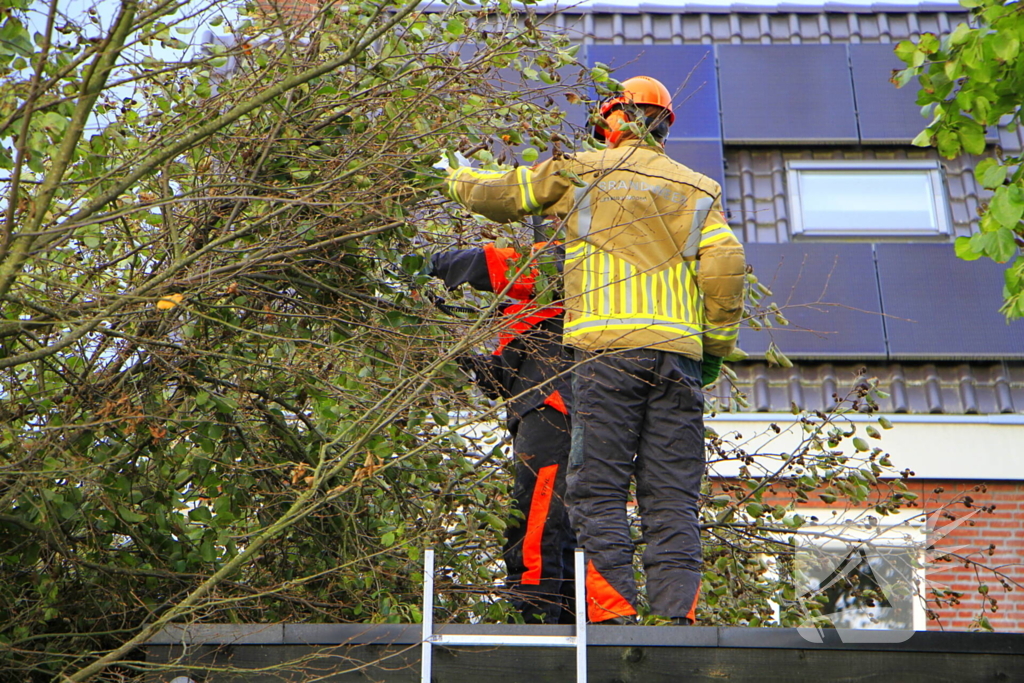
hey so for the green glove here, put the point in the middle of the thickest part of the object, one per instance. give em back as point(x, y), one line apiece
point(710, 367)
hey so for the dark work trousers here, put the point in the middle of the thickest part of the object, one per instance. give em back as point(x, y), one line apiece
point(538, 552)
point(637, 413)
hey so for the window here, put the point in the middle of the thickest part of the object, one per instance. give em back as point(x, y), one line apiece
point(869, 199)
point(869, 568)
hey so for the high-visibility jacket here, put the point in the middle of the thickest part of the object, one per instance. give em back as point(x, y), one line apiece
point(630, 214)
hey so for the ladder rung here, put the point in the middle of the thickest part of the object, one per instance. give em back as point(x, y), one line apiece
point(510, 640)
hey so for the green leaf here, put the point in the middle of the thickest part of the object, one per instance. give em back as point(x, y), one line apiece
point(923, 139)
point(200, 513)
point(901, 78)
point(1006, 207)
point(948, 143)
point(530, 154)
point(960, 34)
point(54, 121)
point(1003, 246)
point(953, 69)
point(1005, 44)
point(928, 43)
point(972, 136)
point(982, 110)
point(455, 27)
point(129, 516)
point(990, 173)
point(979, 242)
point(1013, 279)
point(905, 51)
point(388, 539)
point(964, 250)
point(860, 444)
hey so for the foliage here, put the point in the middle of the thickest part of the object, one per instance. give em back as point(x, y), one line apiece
point(222, 397)
point(226, 393)
point(972, 79)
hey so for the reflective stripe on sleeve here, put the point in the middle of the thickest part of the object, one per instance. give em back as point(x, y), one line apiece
point(714, 233)
point(528, 200)
point(724, 333)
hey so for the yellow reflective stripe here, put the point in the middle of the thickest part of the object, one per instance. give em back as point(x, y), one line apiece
point(529, 201)
point(573, 248)
point(633, 300)
point(641, 317)
point(717, 237)
point(584, 325)
point(675, 283)
point(714, 227)
point(622, 288)
point(453, 175)
point(724, 333)
point(606, 283)
point(691, 292)
point(588, 280)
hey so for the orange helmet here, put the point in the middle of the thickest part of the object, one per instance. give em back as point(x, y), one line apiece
point(642, 90)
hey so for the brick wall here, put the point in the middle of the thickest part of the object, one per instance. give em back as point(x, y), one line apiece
point(1002, 528)
point(293, 10)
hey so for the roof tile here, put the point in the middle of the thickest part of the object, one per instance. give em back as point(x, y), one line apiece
point(920, 388)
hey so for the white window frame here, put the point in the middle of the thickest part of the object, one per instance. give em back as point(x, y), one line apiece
point(940, 203)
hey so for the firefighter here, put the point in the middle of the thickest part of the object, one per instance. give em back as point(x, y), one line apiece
point(529, 369)
point(653, 298)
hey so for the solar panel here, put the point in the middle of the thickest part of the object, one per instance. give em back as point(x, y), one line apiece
point(829, 294)
point(786, 94)
point(940, 307)
point(703, 156)
point(688, 71)
point(885, 113)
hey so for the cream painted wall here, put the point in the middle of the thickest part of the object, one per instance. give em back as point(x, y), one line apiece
point(987, 447)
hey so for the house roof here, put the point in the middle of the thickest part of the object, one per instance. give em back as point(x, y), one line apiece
point(749, 6)
point(918, 388)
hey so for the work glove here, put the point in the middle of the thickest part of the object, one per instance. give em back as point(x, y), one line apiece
point(444, 164)
point(710, 367)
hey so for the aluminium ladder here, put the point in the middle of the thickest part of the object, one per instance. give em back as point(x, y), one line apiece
point(579, 641)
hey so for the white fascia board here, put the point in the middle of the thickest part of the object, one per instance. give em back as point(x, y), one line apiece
point(943, 447)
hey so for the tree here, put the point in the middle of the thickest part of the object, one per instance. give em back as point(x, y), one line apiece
point(972, 79)
point(222, 397)
point(226, 392)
